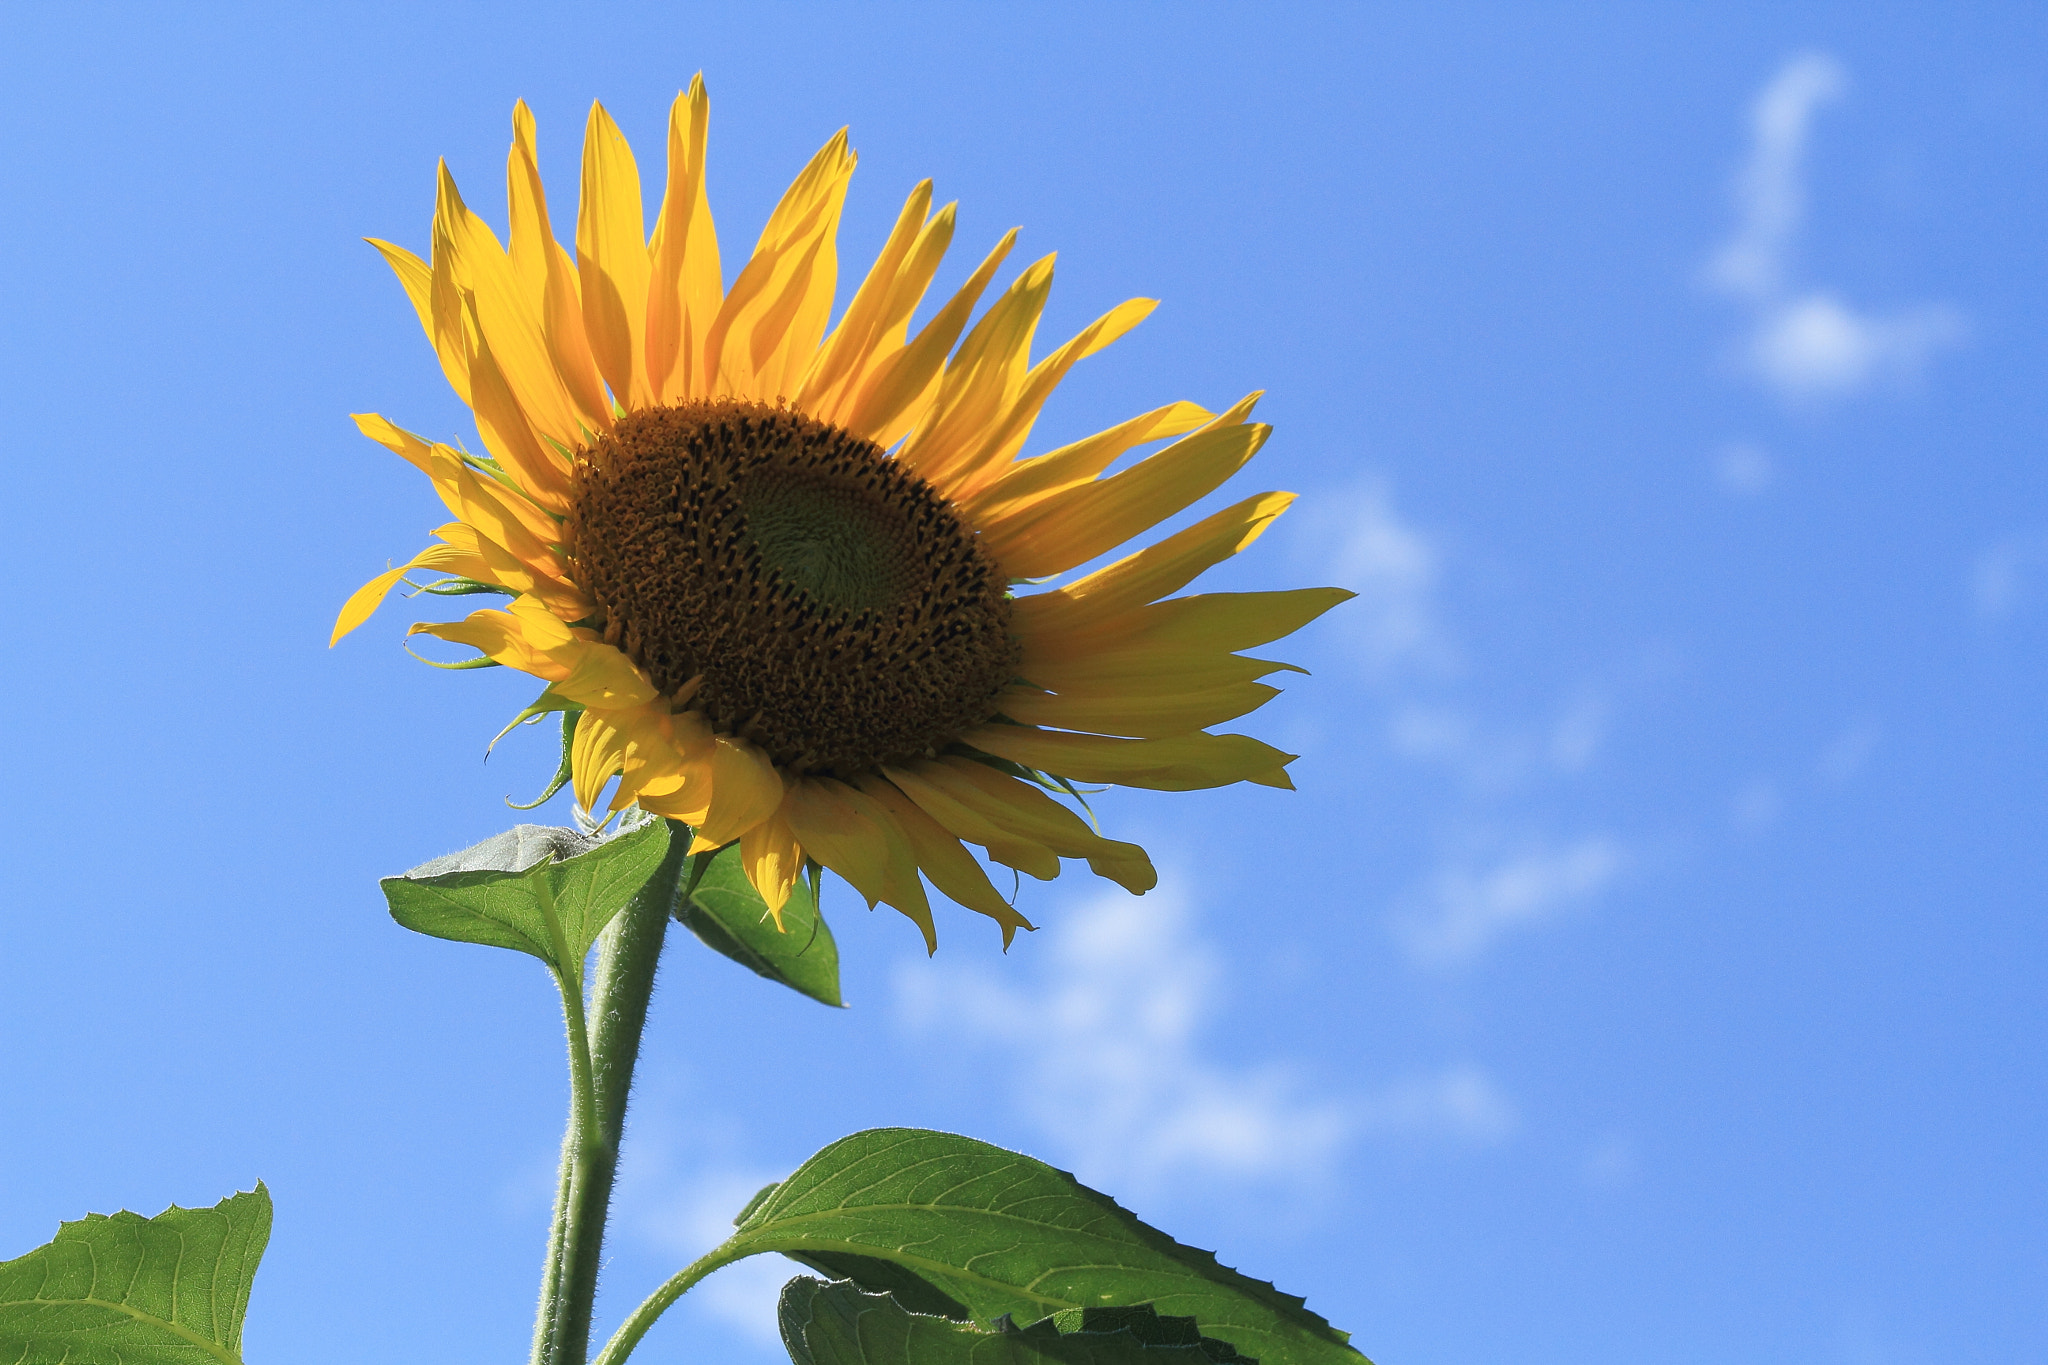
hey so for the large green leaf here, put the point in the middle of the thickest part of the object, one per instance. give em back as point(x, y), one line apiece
point(535, 888)
point(841, 1324)
point(731, 918)
point(129, 1290)
point(1001, 1233)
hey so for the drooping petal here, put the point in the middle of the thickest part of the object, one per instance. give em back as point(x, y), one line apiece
point(950, 867)
point(365, 600)
point(745, 790)
point(963, 821)
point(772, 860)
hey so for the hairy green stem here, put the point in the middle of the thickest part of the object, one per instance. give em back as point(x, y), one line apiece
point(623, 982)
point(635, 1327)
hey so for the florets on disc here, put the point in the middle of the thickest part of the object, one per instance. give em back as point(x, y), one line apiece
point(825, 602)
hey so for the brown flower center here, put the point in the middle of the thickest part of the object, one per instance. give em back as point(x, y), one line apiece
point(838, 612)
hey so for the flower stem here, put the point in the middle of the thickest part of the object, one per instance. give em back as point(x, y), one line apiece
point(627, 955)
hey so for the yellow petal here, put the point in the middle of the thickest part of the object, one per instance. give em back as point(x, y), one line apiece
point(1220, 621)
point(745, 790)
point(686, 286)
point(772, 859)
point(1075, 526)
point(769, 326)
point(1026, 810)
point(1178, 764)
point(604, 677)
point(611, 259)
point(839, 835)
point(597, 754)
point(965, 822)
point(366, 599)
point(541, 474)
point(869, 318)
point(504, 313)
point(1021, 485)
point(1140, 717)
point(1145, 670)
point(416, 451)
point(950, 867)
point(547, 277)
point(902, 388)
point(414, 276)
point(1152, 573)
point(981, 379)
point(984, 457)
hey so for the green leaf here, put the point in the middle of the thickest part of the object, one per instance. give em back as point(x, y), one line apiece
point(536, 889)
point(129, 1290)
point(841, 1324)
point(1001, 1233)
point(731, 918)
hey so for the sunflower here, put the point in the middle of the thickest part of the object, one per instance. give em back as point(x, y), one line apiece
point(766, 569)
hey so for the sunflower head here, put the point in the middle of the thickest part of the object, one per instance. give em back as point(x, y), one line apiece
point(768, 570)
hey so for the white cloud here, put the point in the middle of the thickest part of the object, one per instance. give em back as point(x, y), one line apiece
point(1363, 543)
point(1109, 1055)
point(2004, 575)
point(1744, 468)
point(1470, 904)
point(679, 1190)
point(1849, 752)
point(1770, 194)
point(1807, 342)
point(1108, 1040)
point(1460, 1102)
point(1757, 805)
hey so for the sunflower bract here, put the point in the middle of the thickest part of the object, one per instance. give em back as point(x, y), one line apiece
point(772, 561)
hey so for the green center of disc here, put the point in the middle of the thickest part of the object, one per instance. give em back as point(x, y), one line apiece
point(833, 542)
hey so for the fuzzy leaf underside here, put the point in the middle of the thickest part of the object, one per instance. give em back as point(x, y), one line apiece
point(497, 892)
point(997, 1233)
point(842, 1324)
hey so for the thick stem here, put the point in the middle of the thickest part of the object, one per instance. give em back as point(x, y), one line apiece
point(623, 983)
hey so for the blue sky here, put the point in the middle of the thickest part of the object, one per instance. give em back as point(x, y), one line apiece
point(1649, 967)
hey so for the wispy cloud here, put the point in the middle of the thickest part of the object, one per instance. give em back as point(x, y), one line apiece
point(1471, 903)
point(1362, 542)
point(1805, 341)
point(679, 1188)
point(2006, 574)
point(1110, 1044)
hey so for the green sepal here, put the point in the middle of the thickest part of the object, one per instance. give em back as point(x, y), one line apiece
point(536, 889)
point(842, 1324)
point(565, 767)
point(129, 1290)
point(1000, 1233)
point(454, 586)
point(722, 908)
